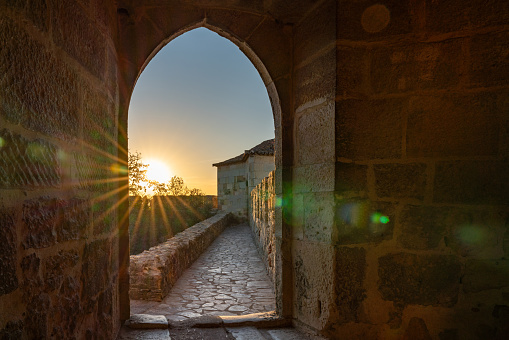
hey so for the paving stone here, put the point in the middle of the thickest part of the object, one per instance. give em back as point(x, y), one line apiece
point(145, 321)
point(246, 333)
point(228, 279)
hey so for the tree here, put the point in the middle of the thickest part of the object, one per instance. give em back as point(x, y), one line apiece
point(137, 172)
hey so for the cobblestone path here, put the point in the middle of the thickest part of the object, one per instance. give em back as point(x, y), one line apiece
point(228, 279)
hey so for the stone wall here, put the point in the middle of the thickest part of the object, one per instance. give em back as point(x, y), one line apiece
point(262, 221)
point(421, 111)
point(59, 239)
point(154, 272)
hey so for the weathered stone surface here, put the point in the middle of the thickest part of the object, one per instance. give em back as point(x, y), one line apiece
point(12, 330)
point(349, 282)
point(313, 178)
point(66, 311)
point(27, 163)
point(92, 172)
point(369, 129)
point(476, 233)
point(419, 279)
point(400, 180)
point(471, 182)
point(416, 67)
point(485, 274)
point(36, 317)
point(315, 135)
point(79, 37)
point(41, 217)
point(453, 126)
point(32, 281)
point(37, 11)
point(8, 254)
point(31, 78)
point(95, 272)
point(351, 179)
point(466, 14)
point(489, 59)
point(423, 227)
point(360, 221)
point(352, 70)
point(352, 26)
point(316, 80)
point(241, 23)
point(315, 33)
point(56, 266)
point(416, 330)
point(75, 218)
point(319, 216)
point(146, 321)
point(276, 55)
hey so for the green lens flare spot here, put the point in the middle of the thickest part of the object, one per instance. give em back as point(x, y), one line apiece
point(379, 218)
point(2, 142)
point(279, 202)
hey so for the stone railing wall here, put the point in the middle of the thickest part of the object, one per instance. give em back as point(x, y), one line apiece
point(154, 272)
point(262, 221)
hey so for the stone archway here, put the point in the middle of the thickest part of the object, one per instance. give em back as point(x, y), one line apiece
point(272, 59)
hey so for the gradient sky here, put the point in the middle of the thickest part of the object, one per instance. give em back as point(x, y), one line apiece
point(199, 101)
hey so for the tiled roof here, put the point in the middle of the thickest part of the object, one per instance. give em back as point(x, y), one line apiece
point(264, 148)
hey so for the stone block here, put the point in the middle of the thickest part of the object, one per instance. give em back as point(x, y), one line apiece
point(95, 272)
point(99, 122)
point(369, 20)
point(315, 81)
point(476, 233)
point(319, 216)
point(350, 273)
point(369, 129)
point(448, 16)
point(453, 126)
point(37, 11)
point(416, 67)
point(489, 64)
point(352, 71)
point(483, 275)
point(75, 219)
point(423, 227)
point(56, 266)
point(315, 135)
point(241, 24)
point(12, 330)
point(416, 330)
point(351, 178)
point(8, 252)
point(79, 37)
point(362, 221)
point(27, 163)
point(313, 178)
point(471, 182)
point(419, 279)
point(313, 282)
point(400, 180)
point(316, 32)
point(275, 54)
point(31, 78)
point(41, 217)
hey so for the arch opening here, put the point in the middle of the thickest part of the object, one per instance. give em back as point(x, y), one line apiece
point(262, 71)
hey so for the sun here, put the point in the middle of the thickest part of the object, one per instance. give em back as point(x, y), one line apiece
point(158, 171)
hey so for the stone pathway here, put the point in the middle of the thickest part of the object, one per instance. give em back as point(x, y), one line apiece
point(228, 279)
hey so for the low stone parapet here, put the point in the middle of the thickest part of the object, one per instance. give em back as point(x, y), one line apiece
point(154, 272)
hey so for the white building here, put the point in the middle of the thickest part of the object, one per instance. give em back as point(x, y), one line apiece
point(237, 176)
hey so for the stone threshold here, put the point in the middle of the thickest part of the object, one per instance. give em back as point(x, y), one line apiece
point(258, 320)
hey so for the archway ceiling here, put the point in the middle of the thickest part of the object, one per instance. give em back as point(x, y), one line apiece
point(285, 11)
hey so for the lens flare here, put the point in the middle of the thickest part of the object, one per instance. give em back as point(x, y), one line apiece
point(279, 202)
point(471, 235)
point(2, 142)
point(379, 218)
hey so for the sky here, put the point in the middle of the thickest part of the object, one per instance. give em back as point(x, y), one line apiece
point(199, 101)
